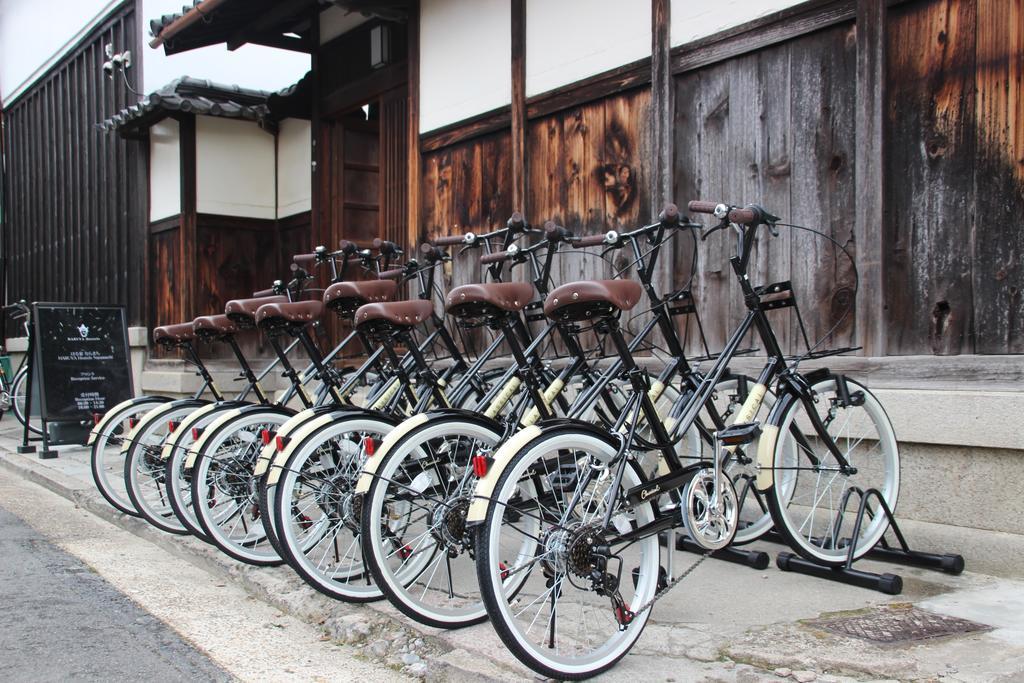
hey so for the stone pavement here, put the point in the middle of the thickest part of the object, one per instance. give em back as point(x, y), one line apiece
point(725, 622)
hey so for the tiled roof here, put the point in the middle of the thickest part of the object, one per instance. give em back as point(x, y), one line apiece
point(196, 96)
point(159, 24)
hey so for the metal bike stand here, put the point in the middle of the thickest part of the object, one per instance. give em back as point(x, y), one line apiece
point(891, 584)
point(755, 559)
point(25, 447)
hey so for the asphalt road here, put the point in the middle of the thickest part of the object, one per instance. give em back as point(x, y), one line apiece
point(61, 621)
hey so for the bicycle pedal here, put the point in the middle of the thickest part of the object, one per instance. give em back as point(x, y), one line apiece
point(739, 434)
point(662, 578)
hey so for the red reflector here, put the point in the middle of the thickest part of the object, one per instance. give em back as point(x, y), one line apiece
point(480, 465)
point(280, 442)
point(504, 570)
point(196, 433)
point(266, 436)
point(96, 417)
point(369, 447)
point(172, 425)
point(132, 421)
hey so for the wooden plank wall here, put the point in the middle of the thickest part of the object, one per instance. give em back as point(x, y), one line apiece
point(75, 223)
point(956, 170)
point(773, 127)
point(773, 120)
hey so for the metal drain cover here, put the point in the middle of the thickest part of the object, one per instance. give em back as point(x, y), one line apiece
point(898, 624)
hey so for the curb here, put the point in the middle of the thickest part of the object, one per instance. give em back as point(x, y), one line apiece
point(379, 632)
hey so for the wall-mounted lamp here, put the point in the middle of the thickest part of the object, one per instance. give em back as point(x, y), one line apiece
point(380, 46)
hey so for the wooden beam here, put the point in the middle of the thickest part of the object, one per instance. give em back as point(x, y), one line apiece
point(869, 180)
point(415, 172)
point(267, 24)
point(281, 42)
point(519, 106)
point(662, 110)
point(466, 129)
point(187, 234)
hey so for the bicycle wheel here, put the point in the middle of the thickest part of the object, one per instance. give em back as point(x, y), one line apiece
point(316, 513)
point(570, 618)
point(18, 395)
point(814, 501)
point(144, 471)
point(415, 538)
point(176, 451)
point(106, 459)
point(224, 487)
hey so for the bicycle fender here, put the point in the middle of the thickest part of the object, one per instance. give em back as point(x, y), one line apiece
point(280, 458)
point(502, 457)
point(200, 445)
point(100, 426)
point(157, 413)
point(389, 441)
point(266, 455)
point(766, 444)
point(169, 445)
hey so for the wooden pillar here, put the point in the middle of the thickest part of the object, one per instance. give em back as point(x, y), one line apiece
point(519, 106)
point(660, 187)
point(318, 231)
point(869, 177)
point(187, 232)
point(414, 231)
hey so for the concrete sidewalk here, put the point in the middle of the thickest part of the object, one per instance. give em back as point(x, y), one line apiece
point(724, 622)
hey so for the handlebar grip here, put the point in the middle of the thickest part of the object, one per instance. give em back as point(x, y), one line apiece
point(516, 222)
point(589, 241)
point(299, 272)
point(431, 252)
point(264, 293)
point(556, 233)
point(744, 216)
point(386, 247)
point(348, 247)
point(304, 260)
point(393, 274)
point(448, 240)
point(669, 216)
point(494, 257)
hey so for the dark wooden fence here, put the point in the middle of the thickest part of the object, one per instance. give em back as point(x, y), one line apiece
point(769, 114)
point(75, 197)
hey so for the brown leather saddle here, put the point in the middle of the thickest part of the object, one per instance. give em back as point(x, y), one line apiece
point(588, 299)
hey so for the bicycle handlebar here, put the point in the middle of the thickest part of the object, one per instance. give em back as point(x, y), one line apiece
point(393, 274)
point(453, 240)
point(747, 216)
point(386, 248)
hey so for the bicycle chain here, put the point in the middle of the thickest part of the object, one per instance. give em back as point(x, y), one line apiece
point(675, 582)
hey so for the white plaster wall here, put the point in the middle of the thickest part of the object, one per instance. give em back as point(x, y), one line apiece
point(34, 35)
point(465, 59)
point(294, 167)
point(569, 40)
point(693, 19)
point(164, 170)
point(250, 66)
point(234, 168)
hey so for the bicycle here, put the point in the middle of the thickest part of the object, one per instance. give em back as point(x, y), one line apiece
point(565, 507)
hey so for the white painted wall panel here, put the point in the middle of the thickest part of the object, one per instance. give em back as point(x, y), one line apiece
point(465, 59)
point(569, 40)
point(294, 168)
point(693, 19)
point(234, 168)
point(164, 170)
